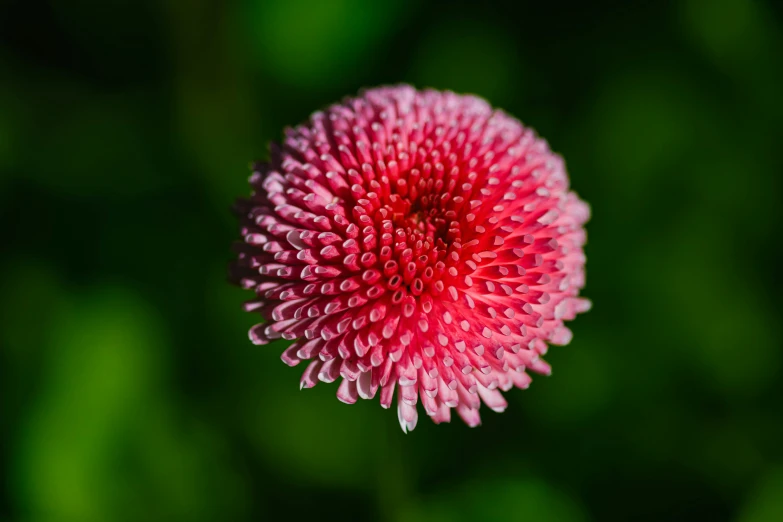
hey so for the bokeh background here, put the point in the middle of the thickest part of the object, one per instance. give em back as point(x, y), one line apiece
point(129, 390)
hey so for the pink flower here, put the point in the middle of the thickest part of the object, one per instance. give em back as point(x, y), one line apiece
point(418, 241)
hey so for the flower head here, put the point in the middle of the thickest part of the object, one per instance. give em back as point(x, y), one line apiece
point(413, 242)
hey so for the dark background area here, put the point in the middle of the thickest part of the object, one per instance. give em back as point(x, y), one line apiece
point(129, 390)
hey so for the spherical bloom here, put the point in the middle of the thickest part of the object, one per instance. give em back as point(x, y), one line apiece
point(416, 242)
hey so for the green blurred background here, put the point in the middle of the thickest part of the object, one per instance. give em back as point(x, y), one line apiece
point(129, 390)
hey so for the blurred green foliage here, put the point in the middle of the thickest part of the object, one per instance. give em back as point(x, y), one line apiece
point(129, 390)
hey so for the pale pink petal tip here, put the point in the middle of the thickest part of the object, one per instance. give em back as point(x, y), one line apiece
point(417, 244)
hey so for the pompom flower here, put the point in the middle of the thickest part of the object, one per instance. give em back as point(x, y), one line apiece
point(413, 242)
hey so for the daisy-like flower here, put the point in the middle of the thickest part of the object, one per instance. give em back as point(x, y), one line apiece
point(413, 242)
